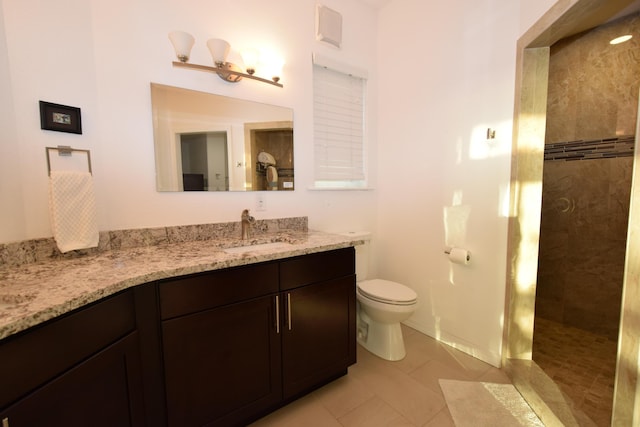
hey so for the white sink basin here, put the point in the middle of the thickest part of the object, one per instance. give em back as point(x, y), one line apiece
point(258, 248)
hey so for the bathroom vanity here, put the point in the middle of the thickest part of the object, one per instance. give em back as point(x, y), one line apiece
point(221, 346)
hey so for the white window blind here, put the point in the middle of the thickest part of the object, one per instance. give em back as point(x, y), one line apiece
point(338, 128)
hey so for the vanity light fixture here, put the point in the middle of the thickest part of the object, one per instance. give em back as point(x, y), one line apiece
point(183, 42)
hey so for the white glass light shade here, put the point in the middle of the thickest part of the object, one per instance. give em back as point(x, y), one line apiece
point(219, 50)
point(182, 43)
point(276, 65)
point(250, 59)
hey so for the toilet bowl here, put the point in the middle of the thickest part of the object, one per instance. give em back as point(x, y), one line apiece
point(382, 305)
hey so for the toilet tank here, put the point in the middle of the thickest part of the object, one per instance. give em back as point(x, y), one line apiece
point(363, 253)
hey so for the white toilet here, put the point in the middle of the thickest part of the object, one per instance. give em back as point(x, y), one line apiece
point(382, 305)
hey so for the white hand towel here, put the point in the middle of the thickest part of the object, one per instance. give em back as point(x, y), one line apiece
point(73, 210)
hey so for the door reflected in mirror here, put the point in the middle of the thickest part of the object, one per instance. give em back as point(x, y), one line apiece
point(206, 142)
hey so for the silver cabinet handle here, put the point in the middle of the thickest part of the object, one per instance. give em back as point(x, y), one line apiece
point(277, 314)
point(289, 309)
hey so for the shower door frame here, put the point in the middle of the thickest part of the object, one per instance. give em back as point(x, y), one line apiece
point(532, 68)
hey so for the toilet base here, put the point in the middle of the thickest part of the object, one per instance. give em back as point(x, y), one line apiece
point(382, 339)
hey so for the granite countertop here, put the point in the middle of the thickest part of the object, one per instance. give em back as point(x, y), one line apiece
point(34, 293)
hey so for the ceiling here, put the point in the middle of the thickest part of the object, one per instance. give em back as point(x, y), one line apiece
point(601, 12)
point(376, 3)
point(631, 8)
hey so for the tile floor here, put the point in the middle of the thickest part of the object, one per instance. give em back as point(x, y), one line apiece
point(581, 363)
point(377, 392)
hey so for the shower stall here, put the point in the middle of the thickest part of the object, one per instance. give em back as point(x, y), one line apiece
point(589, 147)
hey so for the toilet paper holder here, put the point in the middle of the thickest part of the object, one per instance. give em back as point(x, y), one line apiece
point(448, 252)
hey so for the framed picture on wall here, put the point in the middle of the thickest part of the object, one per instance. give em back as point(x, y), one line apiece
point(61, 118)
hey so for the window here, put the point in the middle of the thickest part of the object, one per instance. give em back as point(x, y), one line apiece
point(338, 113)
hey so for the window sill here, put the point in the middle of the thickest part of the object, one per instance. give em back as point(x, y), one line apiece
point(340, 188)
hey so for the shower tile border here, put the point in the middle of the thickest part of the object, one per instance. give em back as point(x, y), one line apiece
point(606, 148)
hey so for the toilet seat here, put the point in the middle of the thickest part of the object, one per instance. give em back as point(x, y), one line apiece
point(387, 292)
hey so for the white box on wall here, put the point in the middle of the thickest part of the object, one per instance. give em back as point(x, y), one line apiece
point(328, 25)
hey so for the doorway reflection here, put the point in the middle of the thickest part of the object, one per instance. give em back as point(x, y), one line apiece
point(203, 158)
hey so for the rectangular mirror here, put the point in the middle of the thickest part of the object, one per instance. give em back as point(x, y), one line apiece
point(206, 142)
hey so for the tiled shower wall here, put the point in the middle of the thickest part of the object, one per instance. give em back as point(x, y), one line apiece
point(591, 118)
point(593, 85)
point(585, 210)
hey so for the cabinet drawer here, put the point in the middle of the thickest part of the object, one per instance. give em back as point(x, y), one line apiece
point(212, 289)
point(318, 267)
point(43, 352)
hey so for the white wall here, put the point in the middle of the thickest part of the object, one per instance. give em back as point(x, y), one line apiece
point(531, 11)
point(441, 182)
point(101, 56)
point(11, 201)
point(440, 74)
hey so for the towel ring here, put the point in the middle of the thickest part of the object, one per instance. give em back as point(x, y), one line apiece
point(65, 150)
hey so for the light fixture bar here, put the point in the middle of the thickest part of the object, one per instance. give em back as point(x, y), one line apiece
point(224, 71)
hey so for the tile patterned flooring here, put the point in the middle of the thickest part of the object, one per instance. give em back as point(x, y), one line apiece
point(377, 392)
point(581, 363)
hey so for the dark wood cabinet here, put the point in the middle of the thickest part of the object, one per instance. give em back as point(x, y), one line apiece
point(101, 391)
point(318, 342)
point(83, 369)
point(222, 364)
point(220, 348)
point(238, 343)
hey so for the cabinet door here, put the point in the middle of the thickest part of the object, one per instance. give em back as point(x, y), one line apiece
point(105, 390)
point(32, 358)
point(318, 342)
point(222, 365)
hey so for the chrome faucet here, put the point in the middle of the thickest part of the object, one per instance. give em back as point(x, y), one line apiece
point(247, 221)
